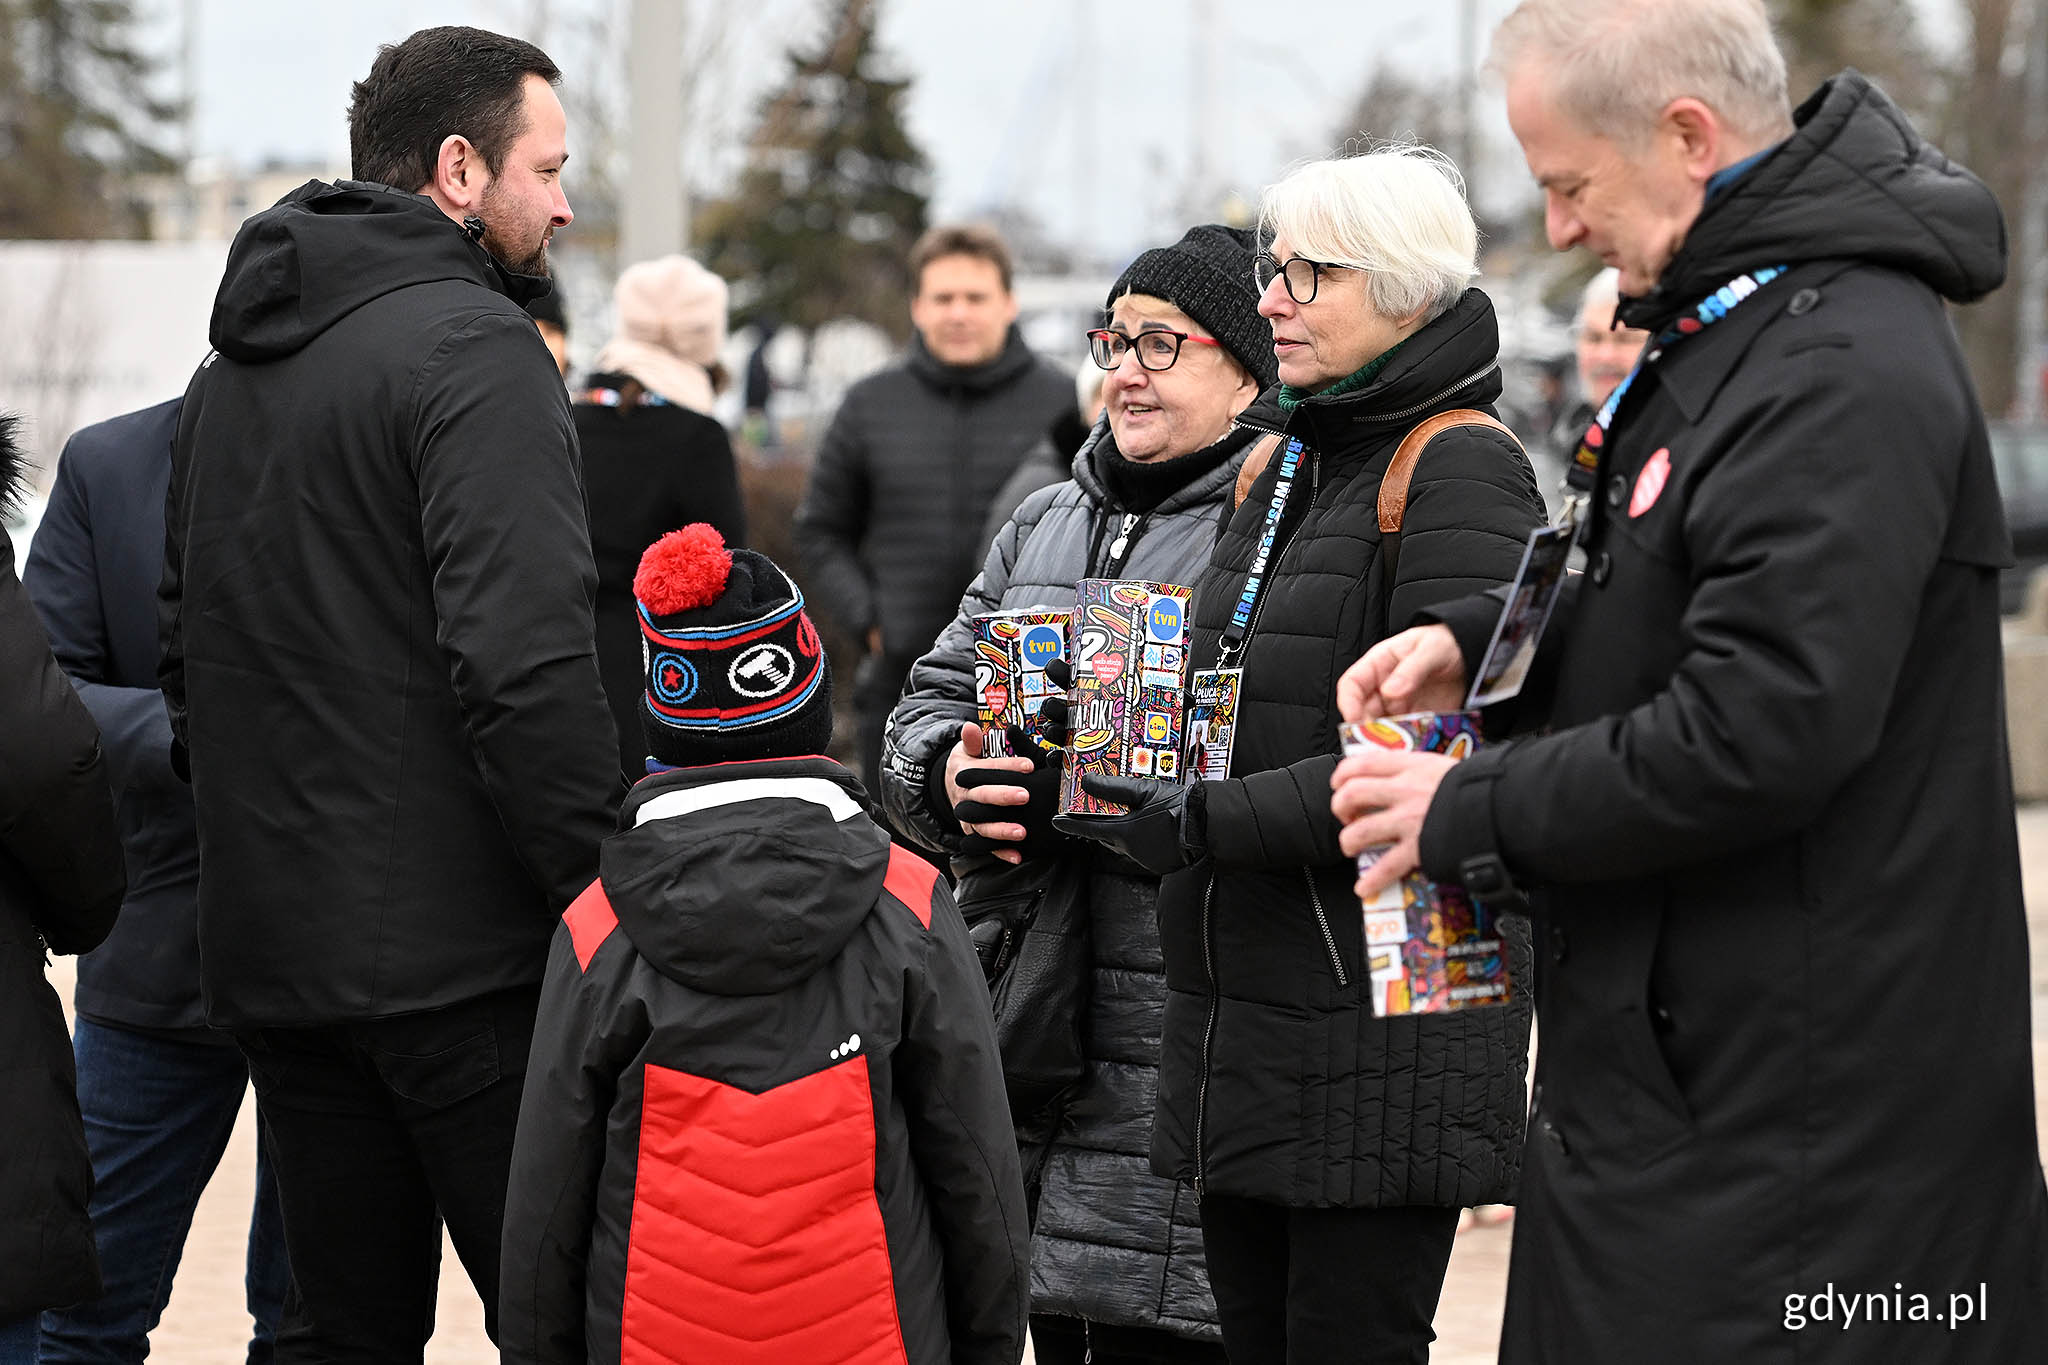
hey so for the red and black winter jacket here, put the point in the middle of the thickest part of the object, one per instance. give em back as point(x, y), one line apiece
point(764, 1117)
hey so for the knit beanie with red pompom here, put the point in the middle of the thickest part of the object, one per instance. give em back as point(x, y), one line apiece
point(733, 666)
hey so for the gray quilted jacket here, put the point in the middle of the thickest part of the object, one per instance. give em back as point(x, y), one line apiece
point(1112, 1243)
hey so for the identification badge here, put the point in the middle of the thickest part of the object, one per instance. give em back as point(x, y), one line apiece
point(1212, 722)
point(1505, 666)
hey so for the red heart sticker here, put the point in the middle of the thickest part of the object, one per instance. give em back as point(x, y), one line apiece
point(997, 698)
point(1650, 483)
point(1108, 667)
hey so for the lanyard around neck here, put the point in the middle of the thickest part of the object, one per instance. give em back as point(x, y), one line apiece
point(1585, 465)
point(1255, 581)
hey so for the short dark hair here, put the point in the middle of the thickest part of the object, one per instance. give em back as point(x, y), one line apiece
point(438, 83)
point(959, 239)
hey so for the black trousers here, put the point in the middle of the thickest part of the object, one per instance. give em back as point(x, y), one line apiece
point(1326, 1286)
point(1060, 1340)
point(381, 1131)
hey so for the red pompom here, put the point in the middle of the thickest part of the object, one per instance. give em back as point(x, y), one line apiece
point(682, 570)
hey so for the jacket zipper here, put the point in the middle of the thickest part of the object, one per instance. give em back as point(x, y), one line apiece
point(1426, 404)
point(1329, 939)
point(1208, 1038)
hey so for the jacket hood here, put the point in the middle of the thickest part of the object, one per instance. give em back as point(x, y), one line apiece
point(1452, 362)
point(1853, 182)
point(323, 251)
point(744, 878)
point(1012, 363)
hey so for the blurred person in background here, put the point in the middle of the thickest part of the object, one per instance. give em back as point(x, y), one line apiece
point(1116, 1265)
point(551, 318)
point(378, 659)
point(1604, 351)
point(158, 1089)
point(653, 456)
point(1757, 782)
point(1051, 460)
point(889, 532)
point(1331, 1149)
point(61, 884)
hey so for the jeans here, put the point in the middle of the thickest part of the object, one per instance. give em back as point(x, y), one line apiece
point(18, 1341)
point(382, 1130)
point(158, 1113)
point(1326, 1286)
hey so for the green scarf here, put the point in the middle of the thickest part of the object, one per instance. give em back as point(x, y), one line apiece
point(1290, 397)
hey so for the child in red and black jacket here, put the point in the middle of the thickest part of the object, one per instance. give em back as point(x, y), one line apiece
point(764, 1118)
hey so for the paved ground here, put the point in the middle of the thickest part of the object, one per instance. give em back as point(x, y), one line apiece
point(206, 1325)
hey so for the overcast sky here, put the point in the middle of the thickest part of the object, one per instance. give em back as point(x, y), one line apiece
point(1092, 115)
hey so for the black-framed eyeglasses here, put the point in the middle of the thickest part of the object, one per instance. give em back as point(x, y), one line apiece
point(1303, 276)
point(1156, 347)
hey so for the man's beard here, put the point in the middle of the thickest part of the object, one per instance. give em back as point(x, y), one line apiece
point(535, 263)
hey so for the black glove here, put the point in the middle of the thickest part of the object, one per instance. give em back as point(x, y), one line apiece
point(1042, 782)
point(1164, 831)
point(1054, 722)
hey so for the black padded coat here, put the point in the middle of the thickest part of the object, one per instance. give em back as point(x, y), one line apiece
point(1276, 1080)
point(1112, 1242)
point(61, 882)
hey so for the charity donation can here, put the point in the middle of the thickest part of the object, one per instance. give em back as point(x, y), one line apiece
point(1011, 650)
point(1129, 656)
point(1429, 947)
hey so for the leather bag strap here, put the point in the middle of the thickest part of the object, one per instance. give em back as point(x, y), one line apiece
point(1394, 485)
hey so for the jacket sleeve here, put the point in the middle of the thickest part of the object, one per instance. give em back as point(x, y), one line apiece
point(951, 1077)
point(63, 581)
point(581, 1043)
point(831, 520)
point(1470, 510)
point(508, 548)
point(938, 698)
point(170, 594)
point(1811, 541)
point(56, 810)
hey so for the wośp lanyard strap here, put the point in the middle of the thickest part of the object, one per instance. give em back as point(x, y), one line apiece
point(1585, 465)
point(1255, 581)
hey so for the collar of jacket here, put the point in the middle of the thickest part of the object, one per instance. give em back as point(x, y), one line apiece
point(1854, 182)
point(665, 779)
point(1452, 362)
point(1010, 364)
point(1204, 474)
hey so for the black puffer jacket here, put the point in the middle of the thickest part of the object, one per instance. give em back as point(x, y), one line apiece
point(889, 533)
point(377, 619)
point(1113, 1243)
point(61, 882)
point(1276, 1080)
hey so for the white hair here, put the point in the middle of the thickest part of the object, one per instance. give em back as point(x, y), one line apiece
point(1397, 213)
point(1604, 287)
point(1614, 65)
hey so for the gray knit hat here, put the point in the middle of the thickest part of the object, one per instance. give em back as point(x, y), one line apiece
point(1208, 275)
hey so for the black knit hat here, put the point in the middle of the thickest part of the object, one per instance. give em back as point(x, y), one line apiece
point(1208, 275)
point(732, 665)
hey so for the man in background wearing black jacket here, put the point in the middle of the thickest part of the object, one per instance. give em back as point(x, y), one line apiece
point(889, 532)
point(378, 652)
point(159, 1091)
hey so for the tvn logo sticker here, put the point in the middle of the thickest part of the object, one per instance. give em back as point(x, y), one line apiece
point(1163, 620)
point(1042, 644)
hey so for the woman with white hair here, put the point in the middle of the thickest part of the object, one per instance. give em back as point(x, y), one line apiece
point(1331, 1149)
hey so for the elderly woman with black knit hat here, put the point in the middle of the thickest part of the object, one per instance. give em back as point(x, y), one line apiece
point(653, 457)
point(1332, 1148)
point(1116, 1254)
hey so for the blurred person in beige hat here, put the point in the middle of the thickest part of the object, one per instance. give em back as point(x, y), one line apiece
point(670, 331)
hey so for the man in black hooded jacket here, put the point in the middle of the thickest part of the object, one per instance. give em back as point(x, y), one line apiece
point(1760, 794)
point(378, 655)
